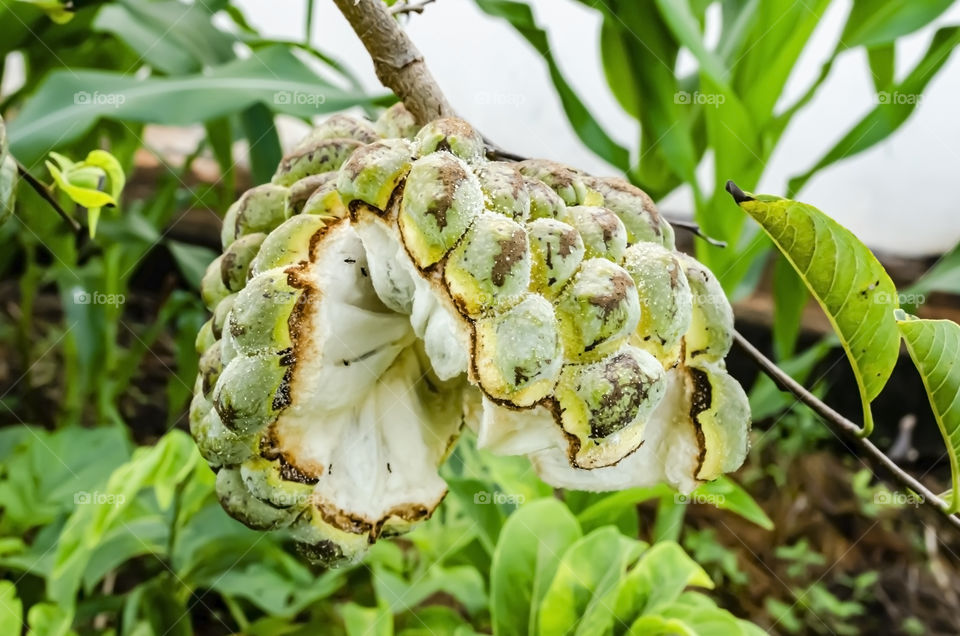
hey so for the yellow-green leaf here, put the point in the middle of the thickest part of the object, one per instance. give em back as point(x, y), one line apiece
point(850, 284)
point(934, 346)
point(109, 164)
point(84, 196)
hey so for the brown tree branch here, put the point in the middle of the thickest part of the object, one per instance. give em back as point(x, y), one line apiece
point(400, 67)
point(397, 62)
point(47, 196)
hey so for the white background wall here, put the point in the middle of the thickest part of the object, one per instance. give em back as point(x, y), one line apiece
point(900, 196)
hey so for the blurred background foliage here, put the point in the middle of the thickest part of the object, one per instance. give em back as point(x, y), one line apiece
point(108, 521)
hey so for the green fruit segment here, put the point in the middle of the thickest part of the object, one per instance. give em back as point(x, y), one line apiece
point(518, 353)
point(490, 268)
point(556, 251)
point(441, 198)
point(598, 310)
point(373, 172)
point(564, 180)
point(636, 209)
point(397, 121)
point(452, 135)
point(504, 190)
point(711, 326)
point(260, 209)
point(604, 235)
point(235, 262)
point(544, 202)
point(721, 411)
point(322, 155)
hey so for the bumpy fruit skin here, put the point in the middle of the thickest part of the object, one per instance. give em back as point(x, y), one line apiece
point(391, 284)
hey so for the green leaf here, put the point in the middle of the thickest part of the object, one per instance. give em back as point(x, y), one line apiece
point(57, 11)
point(584, 589)
point(192, 260)
point(657, 579)
point(883, 64)
point(848, 281)
point(63, 108)
point(893, 109)
point(528, 553)
point(263, 141)
point(944, 276)
point(366, 621)
point(934, 346)
point(729, 495)
point(588, 130)
point(83, 196)
point(11, 609)
point(8, 176)
point(789, 299)
point(174, 37)
point(49, 619)
point(875, 22)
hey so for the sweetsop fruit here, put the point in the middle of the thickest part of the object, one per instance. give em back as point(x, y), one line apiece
point(392, 285)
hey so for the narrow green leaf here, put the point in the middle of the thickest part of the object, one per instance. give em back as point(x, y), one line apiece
point(850, 284)
point(944, 276)
point(934, 346)
point(729, 495)
point(64, 107)
point(366, 621)
point(873, 22)
point(894, 107)
point(585, 125)
point(263, 142)
point(883, 63)
point(11, 609)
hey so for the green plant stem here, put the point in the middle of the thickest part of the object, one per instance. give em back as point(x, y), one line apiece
point(845, 428)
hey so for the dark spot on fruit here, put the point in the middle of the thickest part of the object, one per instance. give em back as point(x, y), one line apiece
point(512, 251)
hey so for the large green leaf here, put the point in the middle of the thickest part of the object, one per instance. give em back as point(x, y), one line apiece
point(874, 22)
point(850, 284)
point(934, 346)
point(64, 107)
point(658, 578)
point(893, 108)
point(584, 124)
point(531, 544)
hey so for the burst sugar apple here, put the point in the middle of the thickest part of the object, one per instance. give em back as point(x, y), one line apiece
point(379, 284)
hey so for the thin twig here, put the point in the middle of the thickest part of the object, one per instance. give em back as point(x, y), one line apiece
point(694, 229)
point(842, 426)
point(47, 196)
point(402, 8)
point(401, 68)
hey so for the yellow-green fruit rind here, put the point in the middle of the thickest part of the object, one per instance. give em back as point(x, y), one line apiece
point(235, 262)
point(288, 244)
point(265, 479)
point(325, 200)
point(205, 338)
point(605, 404)
point(564, 180)
point(556, 251)
point(258, 322)
point(260, 209)
point(721, 411)
point(397, 121)
point(373, 172)
point(244, 507)
point(216, 443)
point(665, 301)
point(441, 198)
point(604, 235)
point(504, 190)
point(454, 136)
point(302, 189)
point(321, 543)
point(210, 366)
point(518, 352)
point(598, 310)
point(221, 313)
point(490, 268)
point(212, 289)
point(544, 202)
point(340, 127)
point(318, 157)
point(250, 392)
point(635, 208)
point(710, 335)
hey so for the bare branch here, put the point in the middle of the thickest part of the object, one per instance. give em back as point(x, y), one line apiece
point(845, 428)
